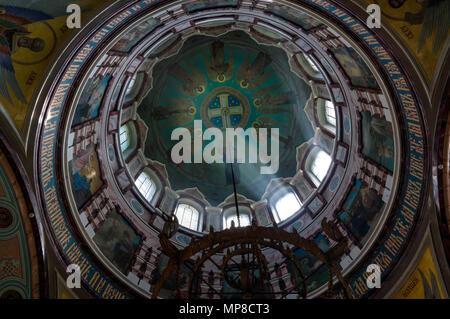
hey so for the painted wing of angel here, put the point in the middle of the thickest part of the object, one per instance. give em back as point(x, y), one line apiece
point(252, 75)
point(272, 104)
point(193, 85)
point(13, 35)
point(436, 19)
point(261, 93)
point(180, 111)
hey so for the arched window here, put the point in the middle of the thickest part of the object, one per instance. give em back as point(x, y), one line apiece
point(286, 206)
point(146, 186)
point(188, 216)
point(330, 113)
point(131, 84)
point(244, 219)
point(124, 137)
point(313, 65)
point(320, 165)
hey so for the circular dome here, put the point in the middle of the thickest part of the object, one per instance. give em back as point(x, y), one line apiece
point(334, 93)
point(224, 82)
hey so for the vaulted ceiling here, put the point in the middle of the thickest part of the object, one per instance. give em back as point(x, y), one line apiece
point(358, 110)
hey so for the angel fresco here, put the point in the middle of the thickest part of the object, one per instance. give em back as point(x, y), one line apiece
point(180, 111)
point(252, 75)
point(302, 19)
point(377, 138)
point(90, 100)
point(267, 103)
point(218, 70)
point(209, 4)
point(132, 37)
point(192, 84)
point(14, 35)
point(361, 208)
point(355, 68)
point(169, 287)
point(117, 240)
point(430, 12)
point(85, 175)
point(316, 272)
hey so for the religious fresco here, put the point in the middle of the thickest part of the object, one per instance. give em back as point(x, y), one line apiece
point(30, 36)
point(316, 272)
point(228, 291)
point(225, 84)
point(233, 274)
point(135, 35)
point(415, 22)
point(209, 4)
point(377, 140)
point(423, 283)
point(91, 99)
point(169, 288)
point(355, 67)
point(117, 240)
point(361, 210)
point(85, 175)
point(299, 18)
point(322, 242)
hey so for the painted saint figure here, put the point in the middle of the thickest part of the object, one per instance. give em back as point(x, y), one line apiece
point(14, 35)
point(218, 70)
point(180, 111)
point(252, 75)
point(192, 84)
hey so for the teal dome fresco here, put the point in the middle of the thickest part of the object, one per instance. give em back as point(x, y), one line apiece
point(227, 82)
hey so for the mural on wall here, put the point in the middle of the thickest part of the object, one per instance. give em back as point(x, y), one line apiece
point(229, 81)
point(415, 22)
point(91, 99)
point(299, 18)
point(117, 240)
point(355, 68)
point(233, 275)
point(377, 140)
point(168, 290)
point(135, 35)
point(322, 242)
point(85, 175)
point(228, 291)
point(209, 4)
point(361, 210)
point(29, 37)
point(315, 271)
point(423, 283)
point(19, 267)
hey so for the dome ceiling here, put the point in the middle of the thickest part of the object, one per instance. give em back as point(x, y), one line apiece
point(336, 103)
point(226, 82)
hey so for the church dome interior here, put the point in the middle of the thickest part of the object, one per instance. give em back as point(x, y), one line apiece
point(231, 149)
